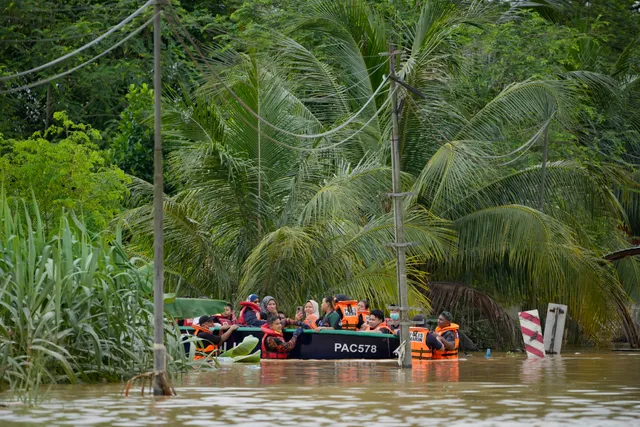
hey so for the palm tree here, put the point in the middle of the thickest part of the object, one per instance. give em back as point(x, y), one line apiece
point(260, 210)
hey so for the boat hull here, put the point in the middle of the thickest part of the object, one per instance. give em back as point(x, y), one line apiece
point(327, 344)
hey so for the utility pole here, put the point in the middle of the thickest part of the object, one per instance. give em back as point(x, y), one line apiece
point(398, 195)
point(159, 350)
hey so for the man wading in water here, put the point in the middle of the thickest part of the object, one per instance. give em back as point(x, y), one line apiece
point(444, 340)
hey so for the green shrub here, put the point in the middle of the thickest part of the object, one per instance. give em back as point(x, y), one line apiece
point(73, 307)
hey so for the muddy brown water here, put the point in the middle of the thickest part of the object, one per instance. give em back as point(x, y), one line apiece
point(585, 389)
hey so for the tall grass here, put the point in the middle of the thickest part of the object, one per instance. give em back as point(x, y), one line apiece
point(73, 307)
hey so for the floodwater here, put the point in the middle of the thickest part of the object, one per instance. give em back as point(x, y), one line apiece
point(588, 389)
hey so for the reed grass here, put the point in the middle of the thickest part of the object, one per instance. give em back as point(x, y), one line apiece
point(73, 306)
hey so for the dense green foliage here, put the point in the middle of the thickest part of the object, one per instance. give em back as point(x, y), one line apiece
point(64, 170)
point(75, 307)
point(253, 208)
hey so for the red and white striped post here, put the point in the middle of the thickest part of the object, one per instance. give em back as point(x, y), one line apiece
point(532, 333)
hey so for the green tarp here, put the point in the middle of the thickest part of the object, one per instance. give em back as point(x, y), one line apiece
point(182, 308)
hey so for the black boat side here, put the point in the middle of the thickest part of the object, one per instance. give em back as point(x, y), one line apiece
point(326, 344)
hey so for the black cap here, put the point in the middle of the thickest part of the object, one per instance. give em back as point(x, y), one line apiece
point(204, 319)
point(341, 297)
point(419, 320)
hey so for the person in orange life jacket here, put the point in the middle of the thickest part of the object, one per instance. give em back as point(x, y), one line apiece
point(394, 320)
point(227, 317)
point(336, 299)
point(377, 323)
point(250, 312)
point(363, 315)
point(445, 340)
point(331, 319)
point(308, 318)
point(274, 345)
point(203, 332)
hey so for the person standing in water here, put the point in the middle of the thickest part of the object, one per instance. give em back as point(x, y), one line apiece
point(444, 341)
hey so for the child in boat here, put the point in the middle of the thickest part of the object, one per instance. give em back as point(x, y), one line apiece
point(227, 317)
point(274, 345)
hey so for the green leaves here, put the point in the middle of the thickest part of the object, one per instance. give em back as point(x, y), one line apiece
point(72, 308)
point(64, 172)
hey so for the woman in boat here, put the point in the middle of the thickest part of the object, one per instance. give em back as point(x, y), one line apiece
point(210, 342)
point(310, 317)
point(274, 345)
point(377, 323)
point(331, 319)
point(250, 313)
point(363, 315)
point(268, 307)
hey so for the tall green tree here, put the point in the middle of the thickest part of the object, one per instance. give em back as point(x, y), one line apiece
point(263, 211)
point(63, 170)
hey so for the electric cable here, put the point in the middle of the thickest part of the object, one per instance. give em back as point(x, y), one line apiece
point(254, 127)
point(255, 115)
point(86, 46)
point(84, 64)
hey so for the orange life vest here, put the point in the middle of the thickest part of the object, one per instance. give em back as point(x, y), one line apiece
point(364, 314)
point(248, 305)
point(381, 327)
point(349, 310)
point(443, 353)
point(219, 318)
point(202, 351)
point(419, 348)
point(271, 354)
point(311, 321)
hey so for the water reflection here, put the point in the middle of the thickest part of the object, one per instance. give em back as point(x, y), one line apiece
point(501, 391)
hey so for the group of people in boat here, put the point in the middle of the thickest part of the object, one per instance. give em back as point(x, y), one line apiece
point(335, 312)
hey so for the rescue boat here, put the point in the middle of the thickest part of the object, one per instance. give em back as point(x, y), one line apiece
point(319, 345)
point(324, 344)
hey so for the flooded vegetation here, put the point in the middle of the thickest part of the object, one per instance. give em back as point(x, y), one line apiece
point(586, 389)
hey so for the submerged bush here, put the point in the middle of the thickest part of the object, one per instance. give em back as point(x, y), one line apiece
point(73, 307)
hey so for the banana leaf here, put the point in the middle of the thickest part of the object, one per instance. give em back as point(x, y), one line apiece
point(243, 349)
point(182, 308)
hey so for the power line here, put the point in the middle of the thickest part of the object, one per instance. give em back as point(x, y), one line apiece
point(109, 6)
point(57, 76)
point(86, 46)
point(251, 125)
point(254, 114)
point(47, 39)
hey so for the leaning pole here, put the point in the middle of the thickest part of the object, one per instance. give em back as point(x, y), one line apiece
point(159, 351)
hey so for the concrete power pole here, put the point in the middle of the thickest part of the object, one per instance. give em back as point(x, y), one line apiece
point(398, 195)
point(159, 350)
